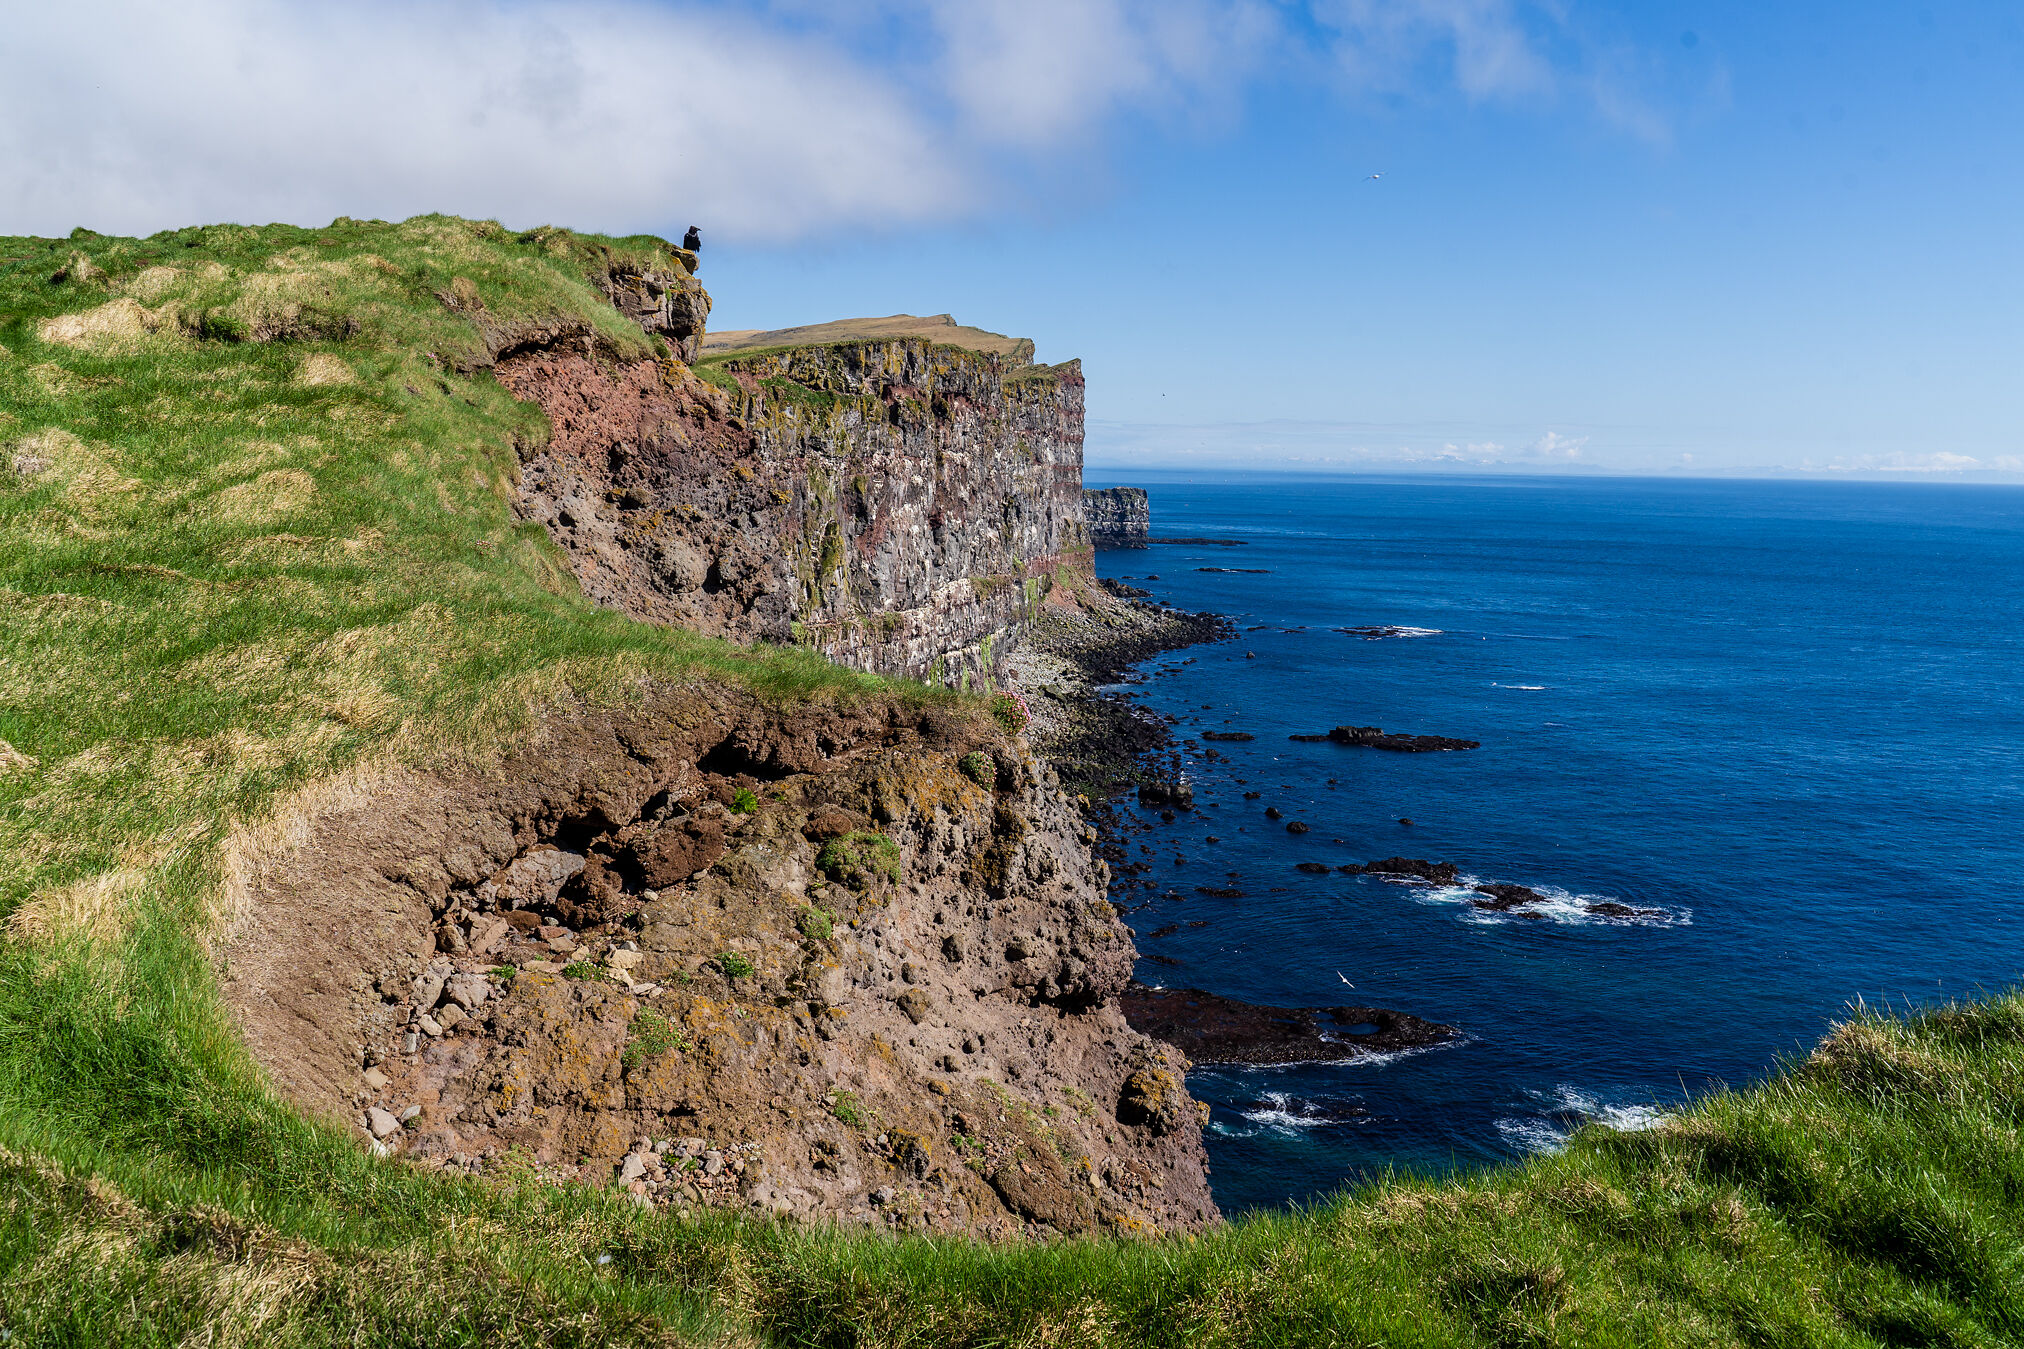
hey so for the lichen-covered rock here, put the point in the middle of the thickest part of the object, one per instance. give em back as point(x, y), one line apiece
point(1118, 517)
point(900, 506)
point(929, 1039)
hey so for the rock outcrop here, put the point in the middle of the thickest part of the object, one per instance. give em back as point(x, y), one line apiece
point(899, 504)
point(1376, 737)
point(1214, 1029)
point(846, 962)
point(1119, 517)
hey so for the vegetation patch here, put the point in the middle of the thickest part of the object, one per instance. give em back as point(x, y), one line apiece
point(735, 966)
point(1011, 712)
point(979, 767)
point(849, 1109)
point(855, 858)
point(651, 1034)
point(815, 924)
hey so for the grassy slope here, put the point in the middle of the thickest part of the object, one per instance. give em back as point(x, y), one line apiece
point(246, 566)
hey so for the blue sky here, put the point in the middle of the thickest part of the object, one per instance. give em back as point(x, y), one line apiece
point(1616, 237)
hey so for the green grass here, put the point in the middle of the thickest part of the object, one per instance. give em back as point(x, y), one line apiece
point(858, 856)
point(649, 1035)
point(265, 536)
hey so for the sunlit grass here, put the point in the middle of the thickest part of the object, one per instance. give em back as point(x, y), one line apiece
point(254, 530)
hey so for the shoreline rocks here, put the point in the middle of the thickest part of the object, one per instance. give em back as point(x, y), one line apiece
point(1210, 1028)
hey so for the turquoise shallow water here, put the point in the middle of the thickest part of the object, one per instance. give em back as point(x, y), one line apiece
point(1787, 716)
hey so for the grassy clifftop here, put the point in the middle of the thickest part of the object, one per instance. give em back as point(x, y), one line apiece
point(254, 529)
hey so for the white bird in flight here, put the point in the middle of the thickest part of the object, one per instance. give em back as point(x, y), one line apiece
point(1338, 974)
point(1373, 177)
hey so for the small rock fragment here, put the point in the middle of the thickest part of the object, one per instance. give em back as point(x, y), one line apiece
point(469, 990)
point(381, 1122)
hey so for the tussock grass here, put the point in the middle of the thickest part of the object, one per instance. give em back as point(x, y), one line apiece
point(254, 541)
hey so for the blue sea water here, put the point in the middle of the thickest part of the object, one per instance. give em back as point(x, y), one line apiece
point(1786, 716)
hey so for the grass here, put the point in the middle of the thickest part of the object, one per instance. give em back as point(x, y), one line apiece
point(858, 856)
point(650, 1034)
point(254, 530)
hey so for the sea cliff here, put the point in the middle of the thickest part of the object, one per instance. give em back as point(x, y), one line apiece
point(897, 502)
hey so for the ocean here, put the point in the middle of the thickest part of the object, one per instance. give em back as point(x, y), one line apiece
point(1785, 718)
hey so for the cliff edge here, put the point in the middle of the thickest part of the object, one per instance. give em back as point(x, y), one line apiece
point(898, 494)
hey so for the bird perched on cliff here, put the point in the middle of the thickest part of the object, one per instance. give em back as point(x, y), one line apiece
point(693, 240)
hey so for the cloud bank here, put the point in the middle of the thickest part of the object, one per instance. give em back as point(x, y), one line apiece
point(770, 122)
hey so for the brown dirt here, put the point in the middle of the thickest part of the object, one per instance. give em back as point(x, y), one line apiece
point(707, 1007)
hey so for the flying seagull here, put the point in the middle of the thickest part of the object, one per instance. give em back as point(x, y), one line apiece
point(1338, 974)
point(1373, 177)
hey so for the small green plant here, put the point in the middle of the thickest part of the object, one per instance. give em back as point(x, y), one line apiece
point(582, 969)
point(855, 858)
point(743, 802)
point(650, 1034)
point(1011, 712)
point(847, 1108)
point(504, 974)
point(978, 767)
point(734, 965)
point(815, 924)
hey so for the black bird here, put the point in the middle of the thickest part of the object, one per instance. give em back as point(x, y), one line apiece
point(693, 240)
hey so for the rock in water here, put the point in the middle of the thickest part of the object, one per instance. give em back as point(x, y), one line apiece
point(1209, 1028)
point(1433, 873)
point(1376, 737)
point(1119, 517)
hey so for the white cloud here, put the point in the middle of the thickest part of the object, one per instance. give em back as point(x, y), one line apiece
point(1033, 72)
point(1924, 462)
point(1553, 445)
point(762, 119)
point(130, 115)
point(1379, 41)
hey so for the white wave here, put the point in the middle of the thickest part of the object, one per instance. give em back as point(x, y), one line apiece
point(1528, 688)
point(1557, 905)
point(1532, 1135)
point(1376, 630)
point(1569, 1108)
point(1282, 1111)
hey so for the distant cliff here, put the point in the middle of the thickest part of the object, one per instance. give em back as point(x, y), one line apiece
point(899, 502)
point(1118, 517)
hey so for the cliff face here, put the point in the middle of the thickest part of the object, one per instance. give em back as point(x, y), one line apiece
point(853, 963)
point(899, 505)
point(1118, 517)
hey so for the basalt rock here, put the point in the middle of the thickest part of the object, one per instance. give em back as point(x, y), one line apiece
point(1209, 1028)
point(1376, 737)
point(643, 978)
point(1500, 897)
point(1119, 517)
point(900, 505)
point(1414, 868)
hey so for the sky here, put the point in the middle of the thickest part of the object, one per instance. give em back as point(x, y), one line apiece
point(1602, 237)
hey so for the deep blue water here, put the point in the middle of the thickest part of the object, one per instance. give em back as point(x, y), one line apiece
point(1786, 714)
